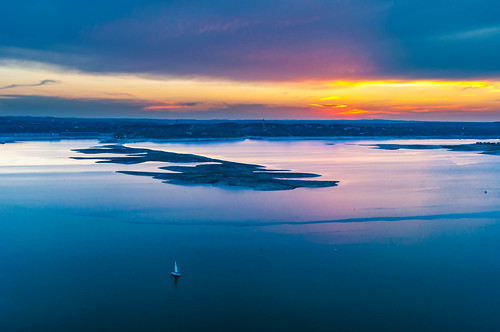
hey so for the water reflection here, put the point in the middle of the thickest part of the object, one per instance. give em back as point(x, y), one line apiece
point(176, 280)
point(83, 248)
point(373, 183)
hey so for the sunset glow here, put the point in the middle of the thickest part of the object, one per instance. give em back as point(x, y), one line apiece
point(309, 62)
point(321, 100)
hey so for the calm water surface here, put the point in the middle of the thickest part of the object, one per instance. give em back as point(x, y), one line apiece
point(408, 241)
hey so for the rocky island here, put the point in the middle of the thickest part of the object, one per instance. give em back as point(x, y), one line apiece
point(478, 147)
point(206, 171)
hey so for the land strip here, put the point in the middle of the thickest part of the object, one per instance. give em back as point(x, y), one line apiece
point(206, 171)
point(120, 130)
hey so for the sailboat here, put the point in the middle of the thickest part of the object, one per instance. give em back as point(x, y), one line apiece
point(175, 273)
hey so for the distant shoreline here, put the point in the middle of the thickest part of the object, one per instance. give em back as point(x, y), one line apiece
point(141, 130)
point(101, 139)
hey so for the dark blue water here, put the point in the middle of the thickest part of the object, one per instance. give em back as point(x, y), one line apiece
point(408, 242)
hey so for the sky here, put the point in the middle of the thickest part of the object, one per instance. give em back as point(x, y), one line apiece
point(259, 59)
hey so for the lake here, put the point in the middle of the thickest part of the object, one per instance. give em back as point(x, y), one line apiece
point(408, 241)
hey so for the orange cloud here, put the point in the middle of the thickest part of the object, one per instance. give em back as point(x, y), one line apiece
point(429, 107)
point(168, 106)
point(355, 111)
point(329, 105)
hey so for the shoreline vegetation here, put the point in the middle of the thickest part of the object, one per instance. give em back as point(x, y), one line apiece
point(135, 130)
point(207, 171)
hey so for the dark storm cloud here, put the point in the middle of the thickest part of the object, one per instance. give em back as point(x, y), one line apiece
point(254, 111)
point(34, 105)
point(239, 111)
point(11, 86)
point(446, 38)
point(56, 106)
point(268, 40)
point(233, 39)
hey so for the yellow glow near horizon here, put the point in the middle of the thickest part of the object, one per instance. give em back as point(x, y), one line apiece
point(392, 97)
point(332, 99)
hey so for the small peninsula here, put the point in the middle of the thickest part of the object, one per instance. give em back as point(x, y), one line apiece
point(207, 171)
point(492, 148)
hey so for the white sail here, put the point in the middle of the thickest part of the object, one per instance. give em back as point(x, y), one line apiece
point(175, 272)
